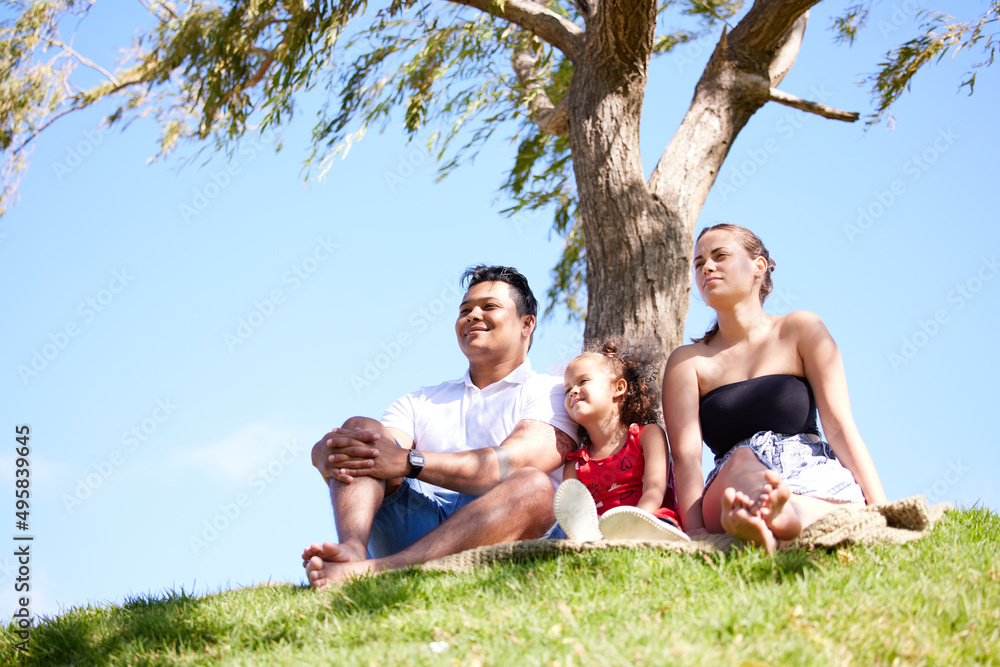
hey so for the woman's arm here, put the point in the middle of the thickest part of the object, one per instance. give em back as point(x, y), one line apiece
point(824, 369)
point(680, 412)
point(654, 476)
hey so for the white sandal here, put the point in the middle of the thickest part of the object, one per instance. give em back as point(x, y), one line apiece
point(632, 523)
point(575, 511)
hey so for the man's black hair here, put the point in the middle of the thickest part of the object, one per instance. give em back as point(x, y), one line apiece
point(520, 292)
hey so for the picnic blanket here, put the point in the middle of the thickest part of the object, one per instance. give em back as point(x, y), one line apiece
point(896, 522)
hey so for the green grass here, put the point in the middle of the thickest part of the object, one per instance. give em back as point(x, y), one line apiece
point(934, 601)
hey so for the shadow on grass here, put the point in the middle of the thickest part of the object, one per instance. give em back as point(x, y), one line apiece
point(150, 629)
point(160, 629)
point(95, 636)
point(381, 593)
point(754, 566)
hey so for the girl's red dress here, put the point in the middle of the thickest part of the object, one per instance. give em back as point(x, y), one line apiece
point(617, 480)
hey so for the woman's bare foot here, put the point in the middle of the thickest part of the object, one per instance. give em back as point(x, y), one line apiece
point(743, 521)
point(776, 511)
point(330, 563)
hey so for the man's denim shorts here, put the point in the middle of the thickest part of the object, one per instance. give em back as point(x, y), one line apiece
point(414, 510)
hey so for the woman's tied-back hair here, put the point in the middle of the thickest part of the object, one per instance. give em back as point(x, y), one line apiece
point(638, 363)
point(755, 248)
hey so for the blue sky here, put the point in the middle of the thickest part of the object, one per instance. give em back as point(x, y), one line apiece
point(198, 330)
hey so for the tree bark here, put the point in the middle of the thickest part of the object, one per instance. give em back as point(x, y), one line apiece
point(550, 118)
point(626, 231)
point(639, 235)
point(554, 28)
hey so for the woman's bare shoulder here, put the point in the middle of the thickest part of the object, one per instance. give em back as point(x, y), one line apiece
point(806, 332)
point(800, 322)
point(686, 355)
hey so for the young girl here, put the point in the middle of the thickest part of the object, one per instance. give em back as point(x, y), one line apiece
point(621, 471)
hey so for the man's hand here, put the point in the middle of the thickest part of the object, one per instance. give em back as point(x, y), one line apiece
point(342, 451)
point(343, 454)
point(384, 459)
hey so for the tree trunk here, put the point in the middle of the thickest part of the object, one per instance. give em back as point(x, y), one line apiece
point(632, 283)
point(639, 235)
point(638, 275)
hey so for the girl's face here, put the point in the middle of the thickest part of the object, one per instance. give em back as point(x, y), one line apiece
point(591, 389)
point(723, 270)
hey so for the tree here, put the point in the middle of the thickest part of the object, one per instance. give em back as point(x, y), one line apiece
point(571, 77)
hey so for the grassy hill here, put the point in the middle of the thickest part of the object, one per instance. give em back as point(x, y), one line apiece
point(934, 601)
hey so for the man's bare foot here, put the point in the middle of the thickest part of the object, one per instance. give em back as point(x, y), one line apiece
point(330, 563)
point(779, 516)
point(333, 552)
point(743, 521)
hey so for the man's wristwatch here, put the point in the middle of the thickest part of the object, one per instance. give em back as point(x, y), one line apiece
point(416, 460)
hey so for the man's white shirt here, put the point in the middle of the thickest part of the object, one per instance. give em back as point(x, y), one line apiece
point(457, 415)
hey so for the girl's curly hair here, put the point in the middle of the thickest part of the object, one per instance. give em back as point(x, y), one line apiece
point(637, 363)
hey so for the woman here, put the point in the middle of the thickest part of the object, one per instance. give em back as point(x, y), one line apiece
point(751, 388)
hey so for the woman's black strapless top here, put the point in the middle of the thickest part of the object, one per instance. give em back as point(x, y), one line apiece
point(734, 412)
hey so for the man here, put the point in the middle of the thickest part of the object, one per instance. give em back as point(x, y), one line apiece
point(456, 466)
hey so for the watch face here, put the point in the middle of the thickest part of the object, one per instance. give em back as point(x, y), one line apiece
point(416, 460)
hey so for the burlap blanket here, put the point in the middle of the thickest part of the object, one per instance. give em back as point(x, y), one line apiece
point(892, 523)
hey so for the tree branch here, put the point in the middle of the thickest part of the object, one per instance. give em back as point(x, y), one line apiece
point(621, 34)
point(262, 70)
point(161, 5)
point(788, 100)
point(766, 24)
point(787, 50)
point(119, 86)
point(557, 30)
point(87, 62)
point(258, 76)
point(550, 118)
point(744, 68)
